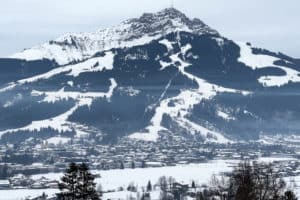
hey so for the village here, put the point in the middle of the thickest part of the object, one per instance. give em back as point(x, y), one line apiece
point(34, 156)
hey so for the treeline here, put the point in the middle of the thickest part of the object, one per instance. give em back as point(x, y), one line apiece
point(247, 181)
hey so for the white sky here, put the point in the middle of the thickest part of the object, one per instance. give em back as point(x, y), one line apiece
point(272, 24)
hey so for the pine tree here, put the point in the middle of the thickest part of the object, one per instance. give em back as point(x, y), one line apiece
point(149, 186)
point(4, 171)
point(121, 165)
point(78, 184)
point(86, 185)
point(68, 183)
point(193, 184)
point(143, 164)
point(132, 165)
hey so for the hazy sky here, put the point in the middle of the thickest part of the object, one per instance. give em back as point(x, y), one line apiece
point(272, 24)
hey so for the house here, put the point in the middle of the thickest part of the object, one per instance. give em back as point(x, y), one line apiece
point(4, 184)
point(154, 164)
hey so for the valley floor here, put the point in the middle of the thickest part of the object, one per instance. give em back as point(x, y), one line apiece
point(115, 182)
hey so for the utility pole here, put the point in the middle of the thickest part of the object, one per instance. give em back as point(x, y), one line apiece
point(172, 3)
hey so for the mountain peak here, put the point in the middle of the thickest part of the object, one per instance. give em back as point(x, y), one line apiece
point(168, 20)
point(165, 14)
point(172, 13)
point(79, 46)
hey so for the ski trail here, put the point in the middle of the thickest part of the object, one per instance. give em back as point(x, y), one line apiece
point(183, 105)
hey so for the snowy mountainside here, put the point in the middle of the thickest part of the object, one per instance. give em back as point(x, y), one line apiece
point(79, 46)
point(186, 81)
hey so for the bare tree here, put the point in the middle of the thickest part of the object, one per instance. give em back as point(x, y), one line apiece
point(251, 181)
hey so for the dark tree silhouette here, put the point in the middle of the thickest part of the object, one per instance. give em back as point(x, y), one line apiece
point(4, 171)
point(143, 164)
point(86, 185)
point(68, 183)
point(132, 165)
point(193, 184)
point(243, 182)
point(77, 184)
point(251, 181)
point(121, 165)
point(289, 195)
point(149, 186)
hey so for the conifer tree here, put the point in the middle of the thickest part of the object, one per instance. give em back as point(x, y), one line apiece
point(193, 184)
point(121, 165)
point(69, 183)
point(132, 165)
point(86, 185)
point(149, 186)
point(78, 184)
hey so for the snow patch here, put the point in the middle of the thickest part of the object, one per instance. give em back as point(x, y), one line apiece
point(164, 65)
point(262, 61)
point(166, 43)
point(70, 83)
point(97, 64)
point(252, 60)
point(272, 81)
point(58, 140)
point(85, 98)
point(15, 99)
point(130, 91)
point(224, 115)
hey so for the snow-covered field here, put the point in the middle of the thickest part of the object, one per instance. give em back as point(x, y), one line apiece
point(113, 179)
point(22, 194)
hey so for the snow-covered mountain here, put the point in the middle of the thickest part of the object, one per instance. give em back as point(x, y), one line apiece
point(132, 32)
point(160, 75)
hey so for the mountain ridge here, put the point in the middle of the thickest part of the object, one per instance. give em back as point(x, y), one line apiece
point(136, 31)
